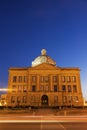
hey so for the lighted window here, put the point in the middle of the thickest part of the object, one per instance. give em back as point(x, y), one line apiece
point(63, 88)
point(14, 79)
point(55, 88)
point(76, 99)
point(14, 88)
point(24, 88)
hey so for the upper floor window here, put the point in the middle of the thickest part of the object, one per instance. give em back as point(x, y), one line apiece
point(25, 79)
point(54, 78)
point(14, 78)
point(33, 88)
point(68, 79)
point(73, 78)
point(41, 88)
point(42, 78)
point(33, 78)
point(55, 88)
point(25, 88)
point(19, 88)
point(74, 88)
point(14, 88)
point(63, 88)
point(46, 88)
point(46, 78)
point(19, 79)
point(63, 78)
point(69, 88)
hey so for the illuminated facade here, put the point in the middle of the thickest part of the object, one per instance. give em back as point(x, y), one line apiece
point(44, 85)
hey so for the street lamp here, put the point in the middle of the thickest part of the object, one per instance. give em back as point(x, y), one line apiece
point(0, 104)
point(5, 105)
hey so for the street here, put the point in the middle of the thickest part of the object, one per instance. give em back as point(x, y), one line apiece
point(44, 126)
point(26, 122)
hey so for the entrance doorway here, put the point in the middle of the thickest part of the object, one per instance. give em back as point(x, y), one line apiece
point(44, 100)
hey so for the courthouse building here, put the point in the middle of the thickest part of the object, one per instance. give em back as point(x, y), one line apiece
point(44, 84)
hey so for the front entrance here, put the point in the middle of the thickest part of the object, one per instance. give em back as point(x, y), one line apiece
point(44, 100)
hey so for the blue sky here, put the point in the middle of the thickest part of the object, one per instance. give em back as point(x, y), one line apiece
point(59, 26)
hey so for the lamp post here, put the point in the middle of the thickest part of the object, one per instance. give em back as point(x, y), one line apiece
point(6, 105)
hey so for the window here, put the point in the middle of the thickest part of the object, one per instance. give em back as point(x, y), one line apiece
point(55, 88)
point(25, 79)
point(68, 79)
point(74, 88)
point(41, 88)
point(14, 79)
point(20, 79)
point(24, 88)
point(24, 99)
point(42, 78)
point(64, 99)
point(13, 99)
point(63, 88)
point(54, 78)
point(19, 88)
point(55, 100)
point(46, 78)
point(69, 88)
point(18, 99)
point(14, 88)
point(33, 88)
point(73, 78)
point(70, 99)
point(76, 99)
point(63, 78)
point(46, 88)
point(33, 78)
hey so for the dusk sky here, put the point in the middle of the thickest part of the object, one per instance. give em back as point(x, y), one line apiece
point(59, 26)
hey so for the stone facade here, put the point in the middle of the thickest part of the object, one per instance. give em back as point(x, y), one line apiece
point(44, 85)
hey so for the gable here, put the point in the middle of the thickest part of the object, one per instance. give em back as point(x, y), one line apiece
point(45, 66)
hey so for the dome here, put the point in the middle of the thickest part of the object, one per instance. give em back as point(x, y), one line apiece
point(43, 58)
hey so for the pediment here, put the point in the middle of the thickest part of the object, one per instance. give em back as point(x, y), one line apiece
point(45, 66)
